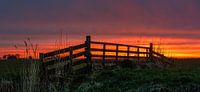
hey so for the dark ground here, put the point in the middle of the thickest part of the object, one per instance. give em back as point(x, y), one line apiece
point(183, 76)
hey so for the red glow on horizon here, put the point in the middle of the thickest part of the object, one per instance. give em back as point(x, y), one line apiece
point(172, 47)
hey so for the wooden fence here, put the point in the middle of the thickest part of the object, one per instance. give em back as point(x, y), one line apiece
point(64, 61)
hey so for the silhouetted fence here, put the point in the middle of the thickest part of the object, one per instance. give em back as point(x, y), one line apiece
point(79, 57)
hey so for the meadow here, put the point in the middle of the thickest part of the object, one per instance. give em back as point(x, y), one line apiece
point(183, 76)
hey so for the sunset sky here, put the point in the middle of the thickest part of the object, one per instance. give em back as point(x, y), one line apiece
point(175, 24)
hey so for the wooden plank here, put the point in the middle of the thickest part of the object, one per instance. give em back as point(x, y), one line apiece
point(104, 51)
point(41, 57)
point(50, 62)
point(63, 59)
point(78, 46)
point(147, 53)
point(71, 56)
point(138, 54)
point(56, 65)
point(61, 64)
point(57, 62)
point(88, 49)
point(128, 51)
point(42, 67)
point(160, 55)
point(53, 53)
point(78, 54)
point(119, 51)
point(113, 56)
point(163, 60)
point(88, 53)
point(94, 42)
point(77, 62)
point(151, 52)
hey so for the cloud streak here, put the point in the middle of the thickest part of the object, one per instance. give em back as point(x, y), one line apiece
point(178, 19)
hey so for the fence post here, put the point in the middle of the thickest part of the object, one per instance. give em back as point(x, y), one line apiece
point(128, 51)
point(88, 52)
point(151, 52)
point(43, 72)
point(138, 54)
point(104, 52)
point(71, 55)
point(42, 65)
point(71, 59)
point(147, 54)
point(117, 48)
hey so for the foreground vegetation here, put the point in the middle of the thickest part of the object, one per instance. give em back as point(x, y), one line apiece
point(183, 76)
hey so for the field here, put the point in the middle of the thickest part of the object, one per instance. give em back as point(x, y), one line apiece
point(183, 76)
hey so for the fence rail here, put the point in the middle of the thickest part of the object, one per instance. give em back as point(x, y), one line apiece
point(57, 52)
point(106, 43)
point(54, 60)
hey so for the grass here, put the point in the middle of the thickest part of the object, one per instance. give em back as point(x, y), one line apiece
point(123, 80)
point(19, 75)
point(184, 76)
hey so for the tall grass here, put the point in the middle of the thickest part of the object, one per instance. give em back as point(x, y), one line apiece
point(31, 77)
point(20, 76)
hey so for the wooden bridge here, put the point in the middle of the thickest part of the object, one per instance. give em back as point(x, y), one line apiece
point(90, 54)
